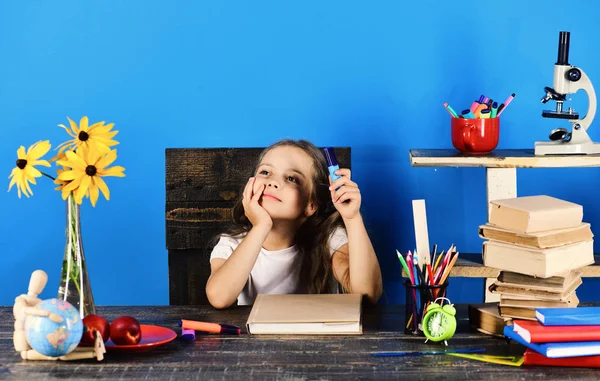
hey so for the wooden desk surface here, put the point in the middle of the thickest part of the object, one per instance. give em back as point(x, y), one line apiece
point(248, 357)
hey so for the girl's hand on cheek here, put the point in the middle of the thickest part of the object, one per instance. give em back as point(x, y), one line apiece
point(257, 215)
point(345, 195)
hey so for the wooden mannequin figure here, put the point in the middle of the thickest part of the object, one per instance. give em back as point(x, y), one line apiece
point(26, 304)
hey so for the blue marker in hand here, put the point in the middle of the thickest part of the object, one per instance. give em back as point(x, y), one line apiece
point(332, 163)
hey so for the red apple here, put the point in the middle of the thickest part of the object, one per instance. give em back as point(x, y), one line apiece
point(125, 330)
point(94, 323)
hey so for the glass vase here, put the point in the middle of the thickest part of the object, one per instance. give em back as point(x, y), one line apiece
point(74, 280)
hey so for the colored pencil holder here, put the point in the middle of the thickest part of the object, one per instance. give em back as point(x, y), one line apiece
point(417, 300)
point(475, 136)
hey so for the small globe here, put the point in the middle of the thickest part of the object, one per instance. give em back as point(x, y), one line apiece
point(50, 338)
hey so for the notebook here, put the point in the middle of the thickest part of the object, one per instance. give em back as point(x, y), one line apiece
point(557, 350)
point(534, 358)
point(568, 316)
point(535, 332)
point(304, 314)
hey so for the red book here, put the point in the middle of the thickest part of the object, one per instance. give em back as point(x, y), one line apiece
point(535, 332)
point(533, 358)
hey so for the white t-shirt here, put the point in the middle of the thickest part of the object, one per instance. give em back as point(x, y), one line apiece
point(275, 272)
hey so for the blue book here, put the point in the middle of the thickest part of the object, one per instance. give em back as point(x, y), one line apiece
point(568, 316)
point(557, 350)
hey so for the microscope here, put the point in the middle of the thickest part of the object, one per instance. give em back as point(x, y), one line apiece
point(568, 80)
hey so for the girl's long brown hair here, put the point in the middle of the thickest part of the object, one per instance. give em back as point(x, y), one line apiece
point(312, 238)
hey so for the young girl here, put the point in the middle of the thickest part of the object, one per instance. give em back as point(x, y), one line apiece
point(295, 232)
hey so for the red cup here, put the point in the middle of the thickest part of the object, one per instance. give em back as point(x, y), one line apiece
point(475, 135)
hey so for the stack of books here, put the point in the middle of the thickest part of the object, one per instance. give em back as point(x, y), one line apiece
point(539, 243)
point(560, 337)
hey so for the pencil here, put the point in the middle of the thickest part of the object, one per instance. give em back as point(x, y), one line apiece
point(430, 274)
point(447, 272)
point(409, 261)
point(437, 262)
point(449, 268)
point(403, 263)
point(438, 273)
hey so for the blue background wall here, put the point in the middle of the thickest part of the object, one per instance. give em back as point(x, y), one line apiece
point(370, 75)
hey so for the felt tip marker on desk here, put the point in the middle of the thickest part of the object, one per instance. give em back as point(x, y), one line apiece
point(188, 334)
point(210, 327)
point(332, 163)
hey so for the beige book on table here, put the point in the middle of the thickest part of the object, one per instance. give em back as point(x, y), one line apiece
point(558, 281)
point(515, 301)
point(306, 314)
point(485, 318)
point(539, 292)
point(518, 313)
point(530, 214)
point(543, 263)
point(543, 239)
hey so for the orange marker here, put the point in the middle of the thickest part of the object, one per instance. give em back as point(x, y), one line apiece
point(477, 111)
point(209, 327)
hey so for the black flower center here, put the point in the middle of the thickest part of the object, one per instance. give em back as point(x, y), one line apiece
point(21, 163)
point(90, 170)
point(83, 136)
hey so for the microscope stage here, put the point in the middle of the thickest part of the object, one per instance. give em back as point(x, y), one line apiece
point(560, 115)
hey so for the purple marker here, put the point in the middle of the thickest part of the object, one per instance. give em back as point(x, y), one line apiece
point(188, 334)
point(332, 163)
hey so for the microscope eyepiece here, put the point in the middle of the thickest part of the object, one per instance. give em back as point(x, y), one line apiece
point(563, 48)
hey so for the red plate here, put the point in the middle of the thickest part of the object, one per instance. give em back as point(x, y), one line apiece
point(152, 336)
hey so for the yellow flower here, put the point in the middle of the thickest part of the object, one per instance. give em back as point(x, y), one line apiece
point(60, 183)
point(25, 171)
point(98, 136)
point(87, 167)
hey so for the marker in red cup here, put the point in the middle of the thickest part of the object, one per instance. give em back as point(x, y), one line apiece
point(505, 104)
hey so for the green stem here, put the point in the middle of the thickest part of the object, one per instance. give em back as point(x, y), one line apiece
point(47, 175)
point(74, 246)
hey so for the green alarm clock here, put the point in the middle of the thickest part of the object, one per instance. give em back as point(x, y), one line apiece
point(439, 323)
